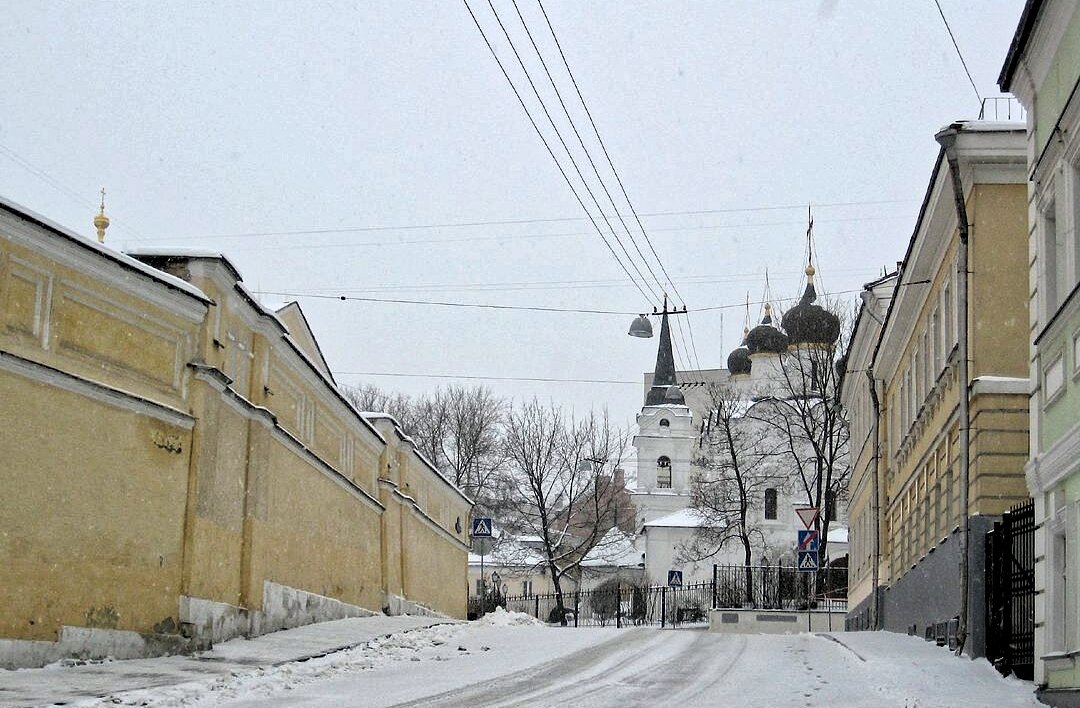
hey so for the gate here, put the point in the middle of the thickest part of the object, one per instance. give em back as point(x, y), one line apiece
point(1010, 592)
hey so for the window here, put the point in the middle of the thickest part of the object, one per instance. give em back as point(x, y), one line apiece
point(665, 423)
point(526, 588)
point(770, 504)
point(1076, 351)
point(1055, 260)
point(1053, 378)
point(663, 473)
point(479, 587)
point(936, 342)
point(949, 320)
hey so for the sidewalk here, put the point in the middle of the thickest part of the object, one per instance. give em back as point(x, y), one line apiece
point(56, 684)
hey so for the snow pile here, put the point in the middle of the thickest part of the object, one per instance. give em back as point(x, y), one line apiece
point(502, 618)
point(437, 643)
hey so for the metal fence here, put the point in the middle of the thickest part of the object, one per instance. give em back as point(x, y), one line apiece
point(627, 604)
point(1010, 592)
point(775, 587)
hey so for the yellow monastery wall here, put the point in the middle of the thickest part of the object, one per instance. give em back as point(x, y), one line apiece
point(314, 534)
point(160, 449)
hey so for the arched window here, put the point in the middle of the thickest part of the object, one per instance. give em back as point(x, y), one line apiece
point(665, 423)
point(663, 472)
point(770, 503)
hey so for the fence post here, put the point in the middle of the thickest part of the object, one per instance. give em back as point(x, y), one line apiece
point(663, 606)
point(537, 607)
point(577, 597)
point(714, 586)
point(618, 606)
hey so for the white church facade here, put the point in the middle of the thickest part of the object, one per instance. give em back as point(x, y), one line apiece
point(670, 449)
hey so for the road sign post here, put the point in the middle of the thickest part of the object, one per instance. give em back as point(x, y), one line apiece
point(807, 552)
point(481, 529)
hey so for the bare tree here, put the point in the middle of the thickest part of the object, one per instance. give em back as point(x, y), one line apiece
point(807, 414)
point(740, 460)
point(458, 429)
point(556, 485)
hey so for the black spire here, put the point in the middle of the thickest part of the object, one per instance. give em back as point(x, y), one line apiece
point(664, 374)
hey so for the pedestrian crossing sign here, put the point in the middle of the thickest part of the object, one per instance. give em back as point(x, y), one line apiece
point(481, 527)
point(808, 561)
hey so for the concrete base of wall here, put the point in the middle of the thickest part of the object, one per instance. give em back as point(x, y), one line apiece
point(861, 616)
point(397, 605)
point(1059, 697)
point(202, 623)
point(929, 591)
point(283, 608)
point(88, 643)
point(774, 621)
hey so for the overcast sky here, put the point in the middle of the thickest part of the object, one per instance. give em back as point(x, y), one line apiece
point(209, 121)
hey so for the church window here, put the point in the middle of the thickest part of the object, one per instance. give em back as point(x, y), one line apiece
point(770, 503)
point(665, 423)
point(663, 473)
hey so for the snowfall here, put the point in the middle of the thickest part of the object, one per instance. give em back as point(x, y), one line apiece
point(510, 659)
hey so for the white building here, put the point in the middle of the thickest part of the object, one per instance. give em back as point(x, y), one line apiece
point(669, 447)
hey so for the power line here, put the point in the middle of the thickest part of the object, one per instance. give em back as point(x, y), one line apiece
point(691, 351)
point(314, 231)
point(490, 306)
point(539, 379)
point(958, 52)
point(520, 237)
point(581, 141)
point(552, 284)
point(486, 306)
point(59, 186)
point(569, 153)
point(550, 152)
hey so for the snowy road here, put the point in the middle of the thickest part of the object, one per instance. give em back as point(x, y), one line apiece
point(505, 661)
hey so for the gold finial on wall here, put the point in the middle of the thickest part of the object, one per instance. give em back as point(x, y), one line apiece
point(101, 222)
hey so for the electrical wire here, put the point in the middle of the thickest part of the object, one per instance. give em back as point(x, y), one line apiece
point(490, 306)
point(315, 231)
point(958, 52)
point(566, 148)
point(540, 379)
point(547, 146)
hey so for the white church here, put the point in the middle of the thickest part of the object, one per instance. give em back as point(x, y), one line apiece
point(669, 429)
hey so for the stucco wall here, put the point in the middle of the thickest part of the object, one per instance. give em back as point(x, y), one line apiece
point(91, 514)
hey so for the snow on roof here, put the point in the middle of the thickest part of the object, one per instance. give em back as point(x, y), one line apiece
point(838, 534)
point(614, 549)
point(103, 250)
point(683, 519)
point(510, 552)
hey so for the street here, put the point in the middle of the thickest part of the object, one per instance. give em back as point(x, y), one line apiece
point(507, 659)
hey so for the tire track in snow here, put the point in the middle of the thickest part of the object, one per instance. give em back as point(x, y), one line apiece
point(580, 664)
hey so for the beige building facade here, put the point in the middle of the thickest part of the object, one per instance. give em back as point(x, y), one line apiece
point(906, 507)
point(181, 468)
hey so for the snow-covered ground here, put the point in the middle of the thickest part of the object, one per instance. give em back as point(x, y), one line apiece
point(508, 659)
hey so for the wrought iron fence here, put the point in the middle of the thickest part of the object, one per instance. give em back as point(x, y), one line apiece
point(776, 587)
point(628, 604)
point(1010, 592)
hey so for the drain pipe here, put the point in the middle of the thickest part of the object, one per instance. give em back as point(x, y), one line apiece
point(947, 139)
point(876, 498)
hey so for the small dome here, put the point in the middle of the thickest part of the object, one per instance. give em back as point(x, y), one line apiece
point(807, 323)
point(766, 338)
point(674, 396)
point(738, 361)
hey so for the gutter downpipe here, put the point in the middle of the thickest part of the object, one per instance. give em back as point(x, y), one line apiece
point(876, 579)
point(947, 139)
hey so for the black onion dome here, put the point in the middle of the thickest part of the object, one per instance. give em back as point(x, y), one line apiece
point(807, 323)
point(738, 361)
point(766, 338)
